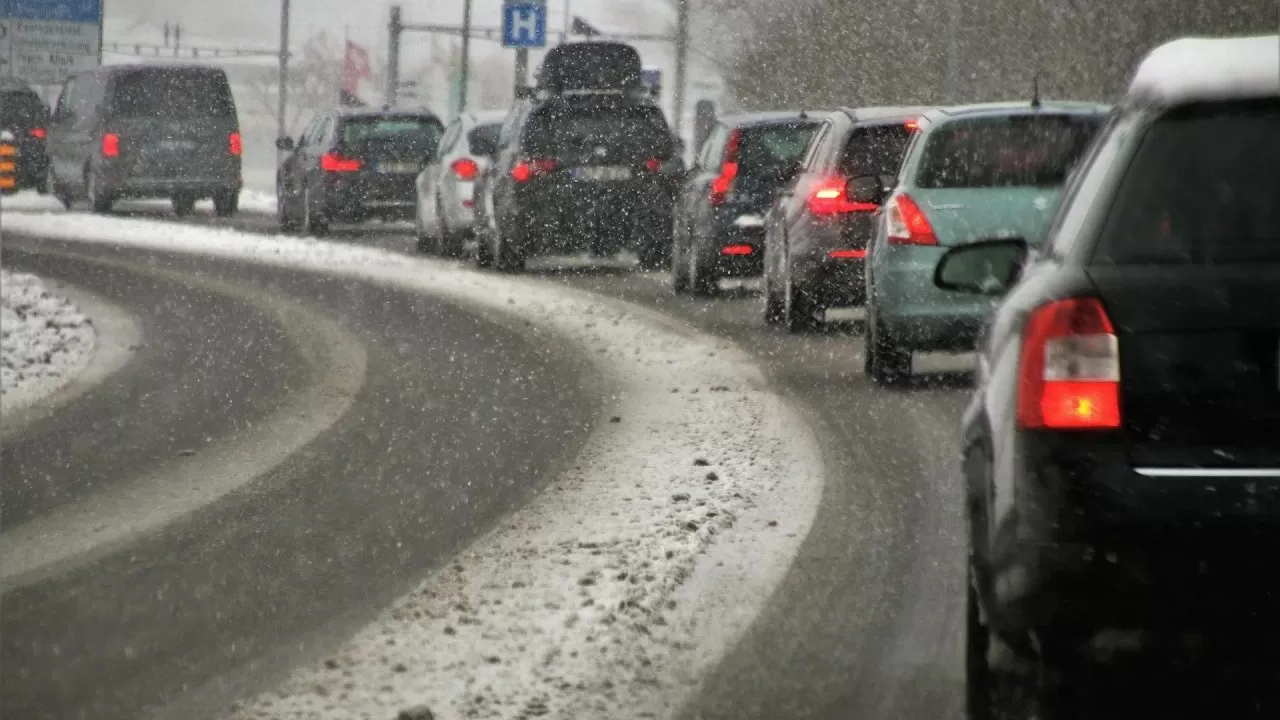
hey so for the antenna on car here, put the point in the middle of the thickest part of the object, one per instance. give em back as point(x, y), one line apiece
point(804, 114)
point(1035, 90)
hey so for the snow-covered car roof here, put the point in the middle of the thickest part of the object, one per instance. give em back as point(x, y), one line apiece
point(1205, 69)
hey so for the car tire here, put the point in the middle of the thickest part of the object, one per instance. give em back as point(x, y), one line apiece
point(56, 189)
point(886, 362)
point(285, 220)
point(701, 281)
point(506, 257)
point(313, 223)
point(424, 242)
point(773, 305)
point(183, 204)
point(483, 256)
point(226, 203)
point(798, 311)
point(99, 201)
point(679, 270)
point(448, 244)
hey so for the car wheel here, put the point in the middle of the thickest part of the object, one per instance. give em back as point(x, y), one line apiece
point(313, 223)
point(701, 281)
point(886, 362)
point(506, 258)
point(773, 307)
point(54, 188)
point(449, 244)
point(679, 269)
point(226, 203)
point(798, 312)
point(285, 220)
point(484, 255)
point(424, 242)
point(183, 204)
point(99, 200)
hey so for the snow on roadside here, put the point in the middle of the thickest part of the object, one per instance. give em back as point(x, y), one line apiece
point(606, 596)
point(45, 341)
point(251, 201)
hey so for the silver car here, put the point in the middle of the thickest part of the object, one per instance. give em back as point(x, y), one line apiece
point(446, 186)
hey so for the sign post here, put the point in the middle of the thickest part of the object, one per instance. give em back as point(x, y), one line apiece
point(43, 42)
point(524, 26)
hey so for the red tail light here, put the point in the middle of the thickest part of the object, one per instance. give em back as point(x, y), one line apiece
point(38, 133)
point(531, 168)
point(912, 125)
point(333, 162)
point(110, 145)
point(234, 144)
point(847, 254)
point(723, 184)
point(465, 168)
point(654, 165)
point(907, 224)
point(737, 250)
point(1069, 370)
point(831, 197)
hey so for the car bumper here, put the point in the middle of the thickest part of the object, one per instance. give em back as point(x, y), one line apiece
point(163, 187)
point(735, 252)
point(919, 315)
point(544, 221)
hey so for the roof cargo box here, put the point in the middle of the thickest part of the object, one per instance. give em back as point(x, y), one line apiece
point(590, 66)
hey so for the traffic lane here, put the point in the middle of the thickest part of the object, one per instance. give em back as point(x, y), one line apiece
point(460, 420)
point(868, 622)
point(208, 363)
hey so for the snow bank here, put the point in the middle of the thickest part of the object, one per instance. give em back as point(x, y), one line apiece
point(45, 341)
point(251, 200)
point(613, 591)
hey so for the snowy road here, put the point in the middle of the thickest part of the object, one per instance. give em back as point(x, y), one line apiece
point(868, 623)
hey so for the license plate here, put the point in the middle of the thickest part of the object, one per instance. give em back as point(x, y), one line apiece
point(602, 174)
point(398, 168)
point(174, 145)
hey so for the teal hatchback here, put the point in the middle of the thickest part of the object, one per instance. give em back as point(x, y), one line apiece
point(971, 173)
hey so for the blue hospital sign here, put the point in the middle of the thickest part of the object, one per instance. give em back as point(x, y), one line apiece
point(524, 24)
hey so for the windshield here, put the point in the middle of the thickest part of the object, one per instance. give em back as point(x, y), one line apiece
point(161, 93)
point(1202, 190)
point(771, 148)
point(1005, 151)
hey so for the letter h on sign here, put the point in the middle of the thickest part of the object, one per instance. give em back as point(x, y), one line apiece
point(524, 24)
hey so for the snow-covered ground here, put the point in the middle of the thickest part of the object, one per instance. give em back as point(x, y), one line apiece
point(252, 200)
point(613, 591)
point(45, 341)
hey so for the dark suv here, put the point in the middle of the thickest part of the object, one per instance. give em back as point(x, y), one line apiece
point(147, 131)
point(1122, 451)
point(578, 169)
point(24, 114)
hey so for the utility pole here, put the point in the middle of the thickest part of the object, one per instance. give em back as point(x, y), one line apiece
point(282, 129)
point(522, 68)
point(682, 63)
point(464, 67)
point(394, 28)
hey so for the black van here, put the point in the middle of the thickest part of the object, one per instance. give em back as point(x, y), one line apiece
point(147, 131)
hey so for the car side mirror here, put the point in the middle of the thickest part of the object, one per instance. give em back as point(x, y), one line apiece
point(987, 267)
point(866, 189)
point(285, 143)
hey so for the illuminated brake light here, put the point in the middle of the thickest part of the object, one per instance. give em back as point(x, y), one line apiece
point(332, 162)
point(723, 184)
point(912, 125)
point(38, 133)
point(907, 224)
point(737, 250)
point(465, 168)
point(235, 145)
point(110, 145)
point(1069, 369)
point(849, 254)
point(533, 167)
point(831, 197)
point(654, 165)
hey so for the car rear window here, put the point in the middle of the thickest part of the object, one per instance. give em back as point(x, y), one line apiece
point(402, 134)
point(21, 110)
point(481, 135)
point(172, 92)
point(560, 130)
point(875, 150)
point(1203, 188)
point(1006, 151)
point(765, 148)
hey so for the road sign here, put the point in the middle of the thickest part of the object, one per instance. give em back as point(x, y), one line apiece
point(524, 24)
point(44, 41)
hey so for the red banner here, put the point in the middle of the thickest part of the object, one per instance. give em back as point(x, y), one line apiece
point(356, 68)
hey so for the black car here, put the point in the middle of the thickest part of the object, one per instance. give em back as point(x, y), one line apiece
point(818, 235)
point(1122, 451)
point(353, 165)
point(25, 115)
point(588, 165)
point(147, 131)
point(719, 218)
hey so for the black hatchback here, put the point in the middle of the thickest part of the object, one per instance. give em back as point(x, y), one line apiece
point(1122, 452)
point(354, 165)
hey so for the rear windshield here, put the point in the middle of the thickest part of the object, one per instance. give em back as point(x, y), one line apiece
point(419, 135)
point(1006, 151)
point(21, 110)
point(875, 150)
point(561, 130)
point(766, 148)
point(1203, 188)
point(482, 135)
point(169, 92)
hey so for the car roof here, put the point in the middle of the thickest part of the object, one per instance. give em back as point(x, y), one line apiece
point(1197, 69)
point(1019, 107)
point(150, 67)
point(773, 117)
point(375, 112)
point(883, 113)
